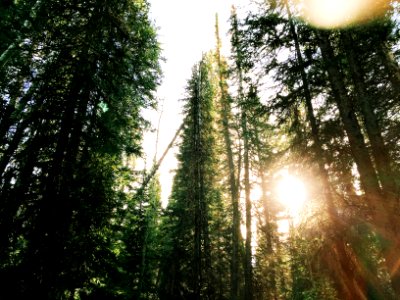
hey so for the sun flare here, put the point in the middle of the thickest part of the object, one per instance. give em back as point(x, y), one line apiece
point(339, 13)
point(292, 193)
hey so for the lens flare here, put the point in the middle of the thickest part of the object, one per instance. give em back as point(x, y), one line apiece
point(340, 13)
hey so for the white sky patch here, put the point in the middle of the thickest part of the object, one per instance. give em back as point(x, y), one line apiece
point(186, 30)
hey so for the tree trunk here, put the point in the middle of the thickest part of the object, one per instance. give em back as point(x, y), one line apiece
point(198, 280)
point(381, 157)
point(382, 215)
point(248, 267)
point(368, 178)
point(157, 165)
point(351, 287)
point(267, 214)
point(379, 150)
point(225, 110)
point(248, 277)
point(391, 66)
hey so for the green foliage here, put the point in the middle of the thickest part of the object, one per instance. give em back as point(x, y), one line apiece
point(195, 196)
point(74, 77)
point(135, 246)
point(325, 90)
point(308, 280)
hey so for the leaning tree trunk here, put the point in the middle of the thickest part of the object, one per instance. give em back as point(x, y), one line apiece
point(368, 178)
point(157, 165)
point(391, 66)
point(342, 263)
point(381, 158)
point(372, 126)
point(382, 214)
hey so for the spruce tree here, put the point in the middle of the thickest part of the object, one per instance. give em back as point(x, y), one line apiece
point(189, 256)
point(226, 116)
point(74, 77)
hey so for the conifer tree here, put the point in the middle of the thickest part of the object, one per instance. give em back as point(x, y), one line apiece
point(73, 79)
point(334, 123)
point(225, 101)
point(240, 73)
point(190, 257)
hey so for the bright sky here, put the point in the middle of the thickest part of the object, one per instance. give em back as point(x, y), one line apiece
point(186, 29)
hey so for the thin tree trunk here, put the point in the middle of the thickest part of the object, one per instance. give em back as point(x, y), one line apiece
point(317, 145)
point(149, 219)
point(248, 267)
point(143, 255)
point(198, 280)
point(267, 215)
point(225, 116)
point(248, 256)
point(156, 166)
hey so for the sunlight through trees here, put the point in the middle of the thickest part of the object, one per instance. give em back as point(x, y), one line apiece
point(288, 156)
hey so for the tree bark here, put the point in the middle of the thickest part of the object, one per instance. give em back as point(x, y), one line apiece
point(248, 254)
point(382, 214)
point(248, 267)
point(225, 111)
point(372, 126)
point(343, 265)
point(391, 66)
point(368, 178)
point(198, 280)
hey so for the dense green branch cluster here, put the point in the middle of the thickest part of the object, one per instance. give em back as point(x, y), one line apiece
point(74, 75)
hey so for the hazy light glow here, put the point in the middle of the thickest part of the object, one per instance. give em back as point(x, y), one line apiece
point(292, 193)
point(339, 13)
point(256, 193)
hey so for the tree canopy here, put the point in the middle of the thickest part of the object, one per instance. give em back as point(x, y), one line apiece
point(287, 182)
